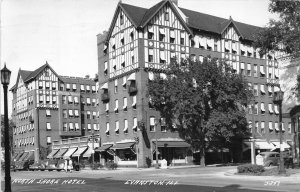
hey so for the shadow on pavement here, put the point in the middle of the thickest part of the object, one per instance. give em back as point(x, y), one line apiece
point(108, 185)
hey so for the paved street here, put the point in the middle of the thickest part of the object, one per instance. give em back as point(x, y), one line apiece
point(172, 180)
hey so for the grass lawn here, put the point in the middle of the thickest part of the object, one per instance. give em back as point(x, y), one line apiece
point(272, 171)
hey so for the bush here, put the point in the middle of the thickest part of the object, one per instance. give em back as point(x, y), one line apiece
point(96, 166)
point(249, 168)
point(111, 165)
point(148, 162)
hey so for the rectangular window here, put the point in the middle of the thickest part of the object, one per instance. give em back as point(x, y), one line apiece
point(54, 100)
point(167, 16)
point(117, 128)
point(255, 73)
point(107, 129)
point(271, 108)
point(48, 114)
point(163, 125)
point(65, 114)
point(70, 99)
point(76, 100)
point(88, 101)
point(107, 108)
point(48, 140)
point(48, 126)
point(95, 127)
point(53, 85)
point(70, 113)
point(262, 127)
point(71, 128)
point(47, 99)
point(47, 85)
point(121, 19)
point(93, 89)
point(88, 88)
point(125, 130)
point(150, 32)
point(125, 103)
point(76, 126)
point(64, 99)
point(172, 36)
point(82, 88)
point(243, 68)
point(290, 127)
point(40, 84)
point(262, 89)
point(62, 87)
point(116, 106)
point(255, 109)
point(94, 114)
point(150, 56)
point(249, 69)
point(94, 102)
point(255, 90)
point(68, 87)
point(76, 113)
point(162, 59)
point(116, 86)
point(89, 127)
point(182, 39)
point(88, 115)
point(74, 87)
point(262, 71)
point(134, 102)
point(270, 91)
point(270, 126)
point(161, 34)
point(152, 124)
point(65, 127)
point(262, 108)
point(134, 125)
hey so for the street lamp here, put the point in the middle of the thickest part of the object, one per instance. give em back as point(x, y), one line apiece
point(156, 148)
point(5, 77)
point(253, 158)
point(277, 99)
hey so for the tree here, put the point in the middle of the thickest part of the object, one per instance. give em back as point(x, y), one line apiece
point(205, 102)
point(283, 34)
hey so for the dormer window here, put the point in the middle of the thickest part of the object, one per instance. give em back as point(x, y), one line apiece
point(150, 32)
point(167, 16)
point(121, 18)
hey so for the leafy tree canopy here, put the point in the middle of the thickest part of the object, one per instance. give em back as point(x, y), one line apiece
point(205, 102)
point(282, 34)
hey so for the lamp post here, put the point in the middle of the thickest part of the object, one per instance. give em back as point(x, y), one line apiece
point(253, 159)
point(277, 99)
point(156, 148)
point(5, 77)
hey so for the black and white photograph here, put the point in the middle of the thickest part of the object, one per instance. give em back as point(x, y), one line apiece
point(150, 95)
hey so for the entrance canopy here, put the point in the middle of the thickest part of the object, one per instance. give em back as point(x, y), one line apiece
point(79, 151)
point(104, 147)
point(53, 152)
point(284, 145)
point(263, 145)
point(60, 153)
point(70, 152)
point(123, 145)
point(172, 144)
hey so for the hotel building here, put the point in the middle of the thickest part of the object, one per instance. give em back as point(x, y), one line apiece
point(48, 107)
point(140, 44)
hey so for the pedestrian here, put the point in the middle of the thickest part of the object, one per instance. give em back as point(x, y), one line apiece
point(68, 165)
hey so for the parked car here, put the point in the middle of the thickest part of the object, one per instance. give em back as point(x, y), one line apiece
point(268, 158)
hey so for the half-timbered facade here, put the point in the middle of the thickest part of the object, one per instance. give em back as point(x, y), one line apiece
point(140, 43)
point(48, 107)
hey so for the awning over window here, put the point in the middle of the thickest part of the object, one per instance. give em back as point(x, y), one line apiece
point(104, 86)
point(79, 151)
point(284, 145)
point(53, 152)
point(30, 156)
point(104, 147)
point(262, 70)
point(23, 156)
point(263, 145)
point(123, 145)
point(262, 88)
point(88, 152)
point(15, 155)
point(18, 156)
point(172, 144)
point(70, 152)
point(60, 153)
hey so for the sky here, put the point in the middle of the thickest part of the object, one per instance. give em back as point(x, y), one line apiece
point(63, 32)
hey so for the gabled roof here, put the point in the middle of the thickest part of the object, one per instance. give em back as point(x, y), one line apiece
point(24, 74)
point(38, 71)
point(196, 20)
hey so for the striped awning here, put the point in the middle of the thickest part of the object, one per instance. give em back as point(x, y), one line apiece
point(70, 152)
point(88, 152)
point(23, 156)
point(53, 152)
point(79, 151)
point(123, 145)
point(104, 147)
point(60, 153)
point(30, 156)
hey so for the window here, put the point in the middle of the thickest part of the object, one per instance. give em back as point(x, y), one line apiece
point(161, 34)
point(64, 99)
point(76, 126)
point(54, 100)
point(134, 102)
point(124, 83)
point(270, 91)
point(62, 87)
point(243, 68)
point(134, 125)
point(150, 56)
point(48, 126)
point(250, 126)
point(70, 99)
point(88, 101)
point(276, 109)
point(107, 129)
point(270, 108)
point(131, 35)
point(255, 109)
point(270, 126)
point(262, 108)
point(255, 73)
point(76, 113)
point(82, 87)
point(94, 114)
point(270, 73)
point(152, 124)
point(71, 128)
point(48, 140)
point(76, 100)
point(250, 109)
point(123, 60)
point(47, 83)
point(116, 106)
point(117, 128)
point(65, 127)
point(249, 69)
point(53, 85)
point(116, 86)
point(88, 88)
point(132, 57)
point(88, 115)
point(107, 108)
point(256, 127)
point(121, 19)
point(65, 114)
point(89, 127)
point(125, 103)
point(162, 59)
point(70, 113)
point(255, 90)
point(48, 114)
point(276, 127)
point(150, 32)
point(262, 71)
point(172, 36)
point(74, 87)
point(262, 90)
point(40, 84)
point(167, 16)
point(262, 127)
point(290, 127)
point(93, 89)
point(95, 127)
point(182, 38)
point(68, 87)
point(125, 126)
point(94, 102)
point(47, 99)
point(163, 125)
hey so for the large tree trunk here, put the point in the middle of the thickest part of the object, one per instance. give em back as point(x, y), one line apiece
point(202, 157)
